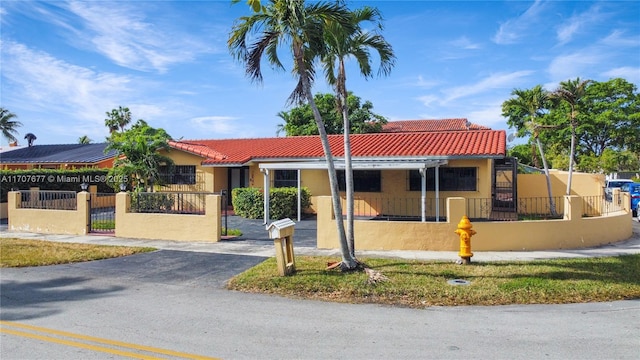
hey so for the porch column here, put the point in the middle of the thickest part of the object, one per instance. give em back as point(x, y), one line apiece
point(423, 196)
point(299, 197)
point(437, 175)
point(266, 188)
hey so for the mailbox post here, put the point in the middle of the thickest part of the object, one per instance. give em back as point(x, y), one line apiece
point(281, 232)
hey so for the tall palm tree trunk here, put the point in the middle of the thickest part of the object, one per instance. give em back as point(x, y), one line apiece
point(552, 202)
point(348, 165)
point(571, 155)
point(348, 261)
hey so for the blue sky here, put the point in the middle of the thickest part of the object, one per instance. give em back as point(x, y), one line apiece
point(64, 64)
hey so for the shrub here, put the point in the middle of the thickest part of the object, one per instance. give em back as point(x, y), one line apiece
point(283, 202)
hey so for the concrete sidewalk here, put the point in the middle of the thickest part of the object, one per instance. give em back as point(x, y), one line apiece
point(255, 242)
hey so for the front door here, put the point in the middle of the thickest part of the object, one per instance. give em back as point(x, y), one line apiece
point(238, 178)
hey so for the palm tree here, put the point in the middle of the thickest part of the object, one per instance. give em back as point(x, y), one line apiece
point(84, 139)
point(8, 126)
point(30, 138)
point(571, 91)
point(300, 26)
point(523, 111)
point(117, 119)
point(357, 43)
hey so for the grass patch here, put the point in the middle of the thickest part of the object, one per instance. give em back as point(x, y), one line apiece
point(103, 224)
point(420, 284)
point(20, 252)
point(232, 232)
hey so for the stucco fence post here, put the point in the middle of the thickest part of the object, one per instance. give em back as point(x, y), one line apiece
point(177, 227)
point(48, 221)
point(571, 232)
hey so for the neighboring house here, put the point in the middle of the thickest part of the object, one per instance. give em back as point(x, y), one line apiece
point(58, 156)
point(431, 125)
point(435, 165)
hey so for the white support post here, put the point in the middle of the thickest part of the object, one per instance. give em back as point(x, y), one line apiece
point(299, 197)
point(437, 176)
point(266, 187)
point(423, 197)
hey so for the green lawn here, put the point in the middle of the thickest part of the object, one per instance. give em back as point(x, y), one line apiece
point(420, 284)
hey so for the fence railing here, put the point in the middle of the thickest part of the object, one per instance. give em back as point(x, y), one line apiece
point(601, 204)
point(168, 202)
point(48, 200)
point(535, 208)
point(383, 208)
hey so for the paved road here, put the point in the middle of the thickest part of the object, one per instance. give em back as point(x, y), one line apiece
point(172, 303)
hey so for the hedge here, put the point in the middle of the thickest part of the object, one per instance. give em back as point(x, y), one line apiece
point(283, 202)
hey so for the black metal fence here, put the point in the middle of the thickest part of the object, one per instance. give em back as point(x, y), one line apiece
point(535, 208)
point(192, 203)
point(601, 204)
point(384, 208)
point(48, 199)
point(103, 212)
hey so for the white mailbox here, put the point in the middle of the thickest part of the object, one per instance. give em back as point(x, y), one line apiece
point(281, 228)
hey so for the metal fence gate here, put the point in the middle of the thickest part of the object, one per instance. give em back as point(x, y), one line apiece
point(102, 207)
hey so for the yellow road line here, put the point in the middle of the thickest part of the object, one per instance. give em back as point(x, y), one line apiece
point(94, 339)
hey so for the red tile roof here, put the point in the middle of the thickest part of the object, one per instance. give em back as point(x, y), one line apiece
point(461, 144)
point(431, 125)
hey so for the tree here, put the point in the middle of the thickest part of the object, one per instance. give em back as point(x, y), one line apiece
point(118, 119)
point(300, 121)
point(84, 139)
point(300, 26)
point(610, 118)
point(607, 128)
point(522, 152)
point(571, 92)
point(523, 111)
point(8, 126)
point(137, 154)
point(30, 137)
point(345, 43)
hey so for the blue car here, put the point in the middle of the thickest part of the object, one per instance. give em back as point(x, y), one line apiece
point(634, 191)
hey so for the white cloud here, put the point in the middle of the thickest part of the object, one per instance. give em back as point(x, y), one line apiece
point(121, 32)
point(428, 100)
point(572, 65)
point(631, 74)
point(425, 83)
point(215, 124)
point(495, 81)
point(576, 23)
point(44, 83)
point(465, 43)
point(490, 115)
point(616, 39)
point(512, 30)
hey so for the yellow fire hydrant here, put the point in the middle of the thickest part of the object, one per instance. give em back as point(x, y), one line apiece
point(465, 232)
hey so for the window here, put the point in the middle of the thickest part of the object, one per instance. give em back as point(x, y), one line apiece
point(178, 174)
point(363, 180)
point(285, 178)
point(451, 179)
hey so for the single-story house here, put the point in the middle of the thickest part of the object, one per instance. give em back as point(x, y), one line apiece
point(58, 156)
point(429, 165)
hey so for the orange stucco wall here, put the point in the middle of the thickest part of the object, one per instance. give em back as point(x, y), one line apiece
point(572, 232)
